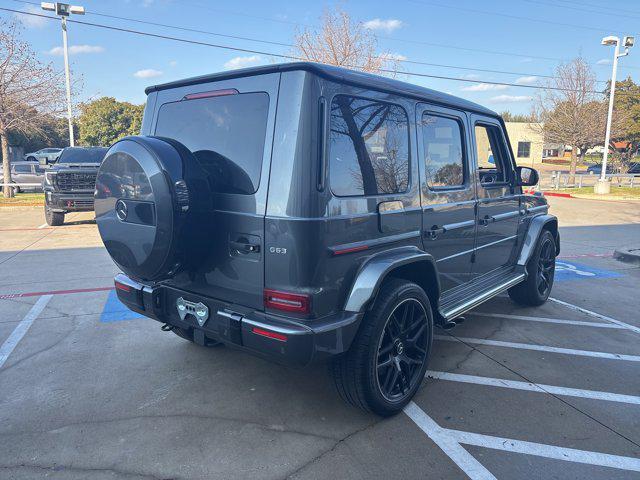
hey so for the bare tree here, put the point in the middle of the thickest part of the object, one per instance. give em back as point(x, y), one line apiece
point(344, 43)
point(29, 90)
point(571, 110)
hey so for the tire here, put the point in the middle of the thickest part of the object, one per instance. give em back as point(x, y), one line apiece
point(31, 159)
point(15, 190)
point(376, 359)
point(55, 219)
point(535, 290)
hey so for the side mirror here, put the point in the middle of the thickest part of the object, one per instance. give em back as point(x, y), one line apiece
point(527, 177)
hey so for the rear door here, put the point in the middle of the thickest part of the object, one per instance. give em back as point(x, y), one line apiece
point(228, 125)
point(448, 192)
point(498, 211)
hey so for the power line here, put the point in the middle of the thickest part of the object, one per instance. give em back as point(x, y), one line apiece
point(573, 7)
point(288, 57)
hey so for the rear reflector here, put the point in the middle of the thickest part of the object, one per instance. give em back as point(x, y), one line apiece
point(288, 302)
point(358, 248)
point(269, 334)
point(123, 287)
point(212, 93)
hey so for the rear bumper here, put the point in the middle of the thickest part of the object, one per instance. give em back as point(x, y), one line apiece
point(298, 342)
point(68, 202)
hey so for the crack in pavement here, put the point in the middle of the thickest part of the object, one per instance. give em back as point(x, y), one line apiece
point(332, 449)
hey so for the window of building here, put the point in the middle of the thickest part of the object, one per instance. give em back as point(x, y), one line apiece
point(493, 160)
point(524, 149)
point(369, 147)
point(444, 152)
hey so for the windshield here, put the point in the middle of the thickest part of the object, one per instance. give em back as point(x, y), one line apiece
point(82, 155)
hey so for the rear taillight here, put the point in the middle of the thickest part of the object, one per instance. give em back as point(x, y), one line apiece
point(288, 302)
point(122, 287)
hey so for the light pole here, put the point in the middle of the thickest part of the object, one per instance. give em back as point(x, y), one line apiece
point(603, 186)
point(63, 10)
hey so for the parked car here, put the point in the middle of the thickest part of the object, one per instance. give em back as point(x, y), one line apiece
point(44, 156)
point(596, 169)
point(70, 183)
point(319, 229)
point(24, 172)
point(634, 168)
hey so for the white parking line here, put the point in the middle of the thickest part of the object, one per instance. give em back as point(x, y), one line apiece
point(450, 441)
point(547, 320)
point(541, 348)
point(22, 328)
point(633, 328)
point(44, 225)
point(546, 451)
point(534, 387)
point(463, 459)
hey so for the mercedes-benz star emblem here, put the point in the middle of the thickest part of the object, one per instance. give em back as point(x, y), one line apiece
point(121, 210)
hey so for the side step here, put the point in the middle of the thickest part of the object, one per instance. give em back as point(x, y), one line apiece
point(449, 313)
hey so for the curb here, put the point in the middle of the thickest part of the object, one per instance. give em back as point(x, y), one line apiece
point(628, 255)
point(557, 194)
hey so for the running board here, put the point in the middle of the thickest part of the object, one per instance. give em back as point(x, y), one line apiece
point(467, 305)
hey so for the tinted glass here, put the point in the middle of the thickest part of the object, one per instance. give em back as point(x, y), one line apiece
point(82, 155)
point(22, 169)
point(39, 169)
point(443, 149)
point(226, 134)
point(369, 151)
point(490, 154)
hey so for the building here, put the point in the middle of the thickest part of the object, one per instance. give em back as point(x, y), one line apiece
point(526, 142)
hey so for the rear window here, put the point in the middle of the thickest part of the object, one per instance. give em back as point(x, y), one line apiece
point(82, 155)
point(226, 133)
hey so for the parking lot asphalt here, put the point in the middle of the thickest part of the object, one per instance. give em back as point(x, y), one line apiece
point(89, 390)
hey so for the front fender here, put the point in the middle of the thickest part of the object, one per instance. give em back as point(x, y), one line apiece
point(375, 269)
point(536, 225)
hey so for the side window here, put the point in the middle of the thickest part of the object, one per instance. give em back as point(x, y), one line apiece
point(443, 151)
point(524, 149)
point(23, 169)
point(39, 169)
point(493, 160)
point(369, 147)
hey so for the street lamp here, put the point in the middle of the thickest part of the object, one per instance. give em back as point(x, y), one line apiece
point(63, 10)
point(603, 186)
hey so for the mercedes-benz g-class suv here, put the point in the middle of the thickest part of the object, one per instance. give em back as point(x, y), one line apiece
point(303, 212)
point(69, 185)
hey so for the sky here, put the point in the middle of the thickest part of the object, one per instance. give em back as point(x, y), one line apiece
point(526, 38)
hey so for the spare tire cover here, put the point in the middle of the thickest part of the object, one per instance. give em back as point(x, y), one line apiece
point(151, 196)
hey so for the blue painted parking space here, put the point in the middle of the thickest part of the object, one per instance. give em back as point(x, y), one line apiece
point(577, 271)
point(115, 311)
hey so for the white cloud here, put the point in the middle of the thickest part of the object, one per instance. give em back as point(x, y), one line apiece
point(388, 25)
point(604, 61)
point(470, 76)
point(147, 73)
point(31, 21)
point(510, 99)
point(241, 62)
point(484, 87)
point(528, 80)
point(526, 60)
point(77, 50)
point(173, 63)
point(394, 56)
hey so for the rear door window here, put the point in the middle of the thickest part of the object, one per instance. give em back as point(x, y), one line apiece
point(225, 133)
point(369, 150)
point(444, 151)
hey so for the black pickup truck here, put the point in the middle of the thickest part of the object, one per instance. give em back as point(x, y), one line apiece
point(70, 183)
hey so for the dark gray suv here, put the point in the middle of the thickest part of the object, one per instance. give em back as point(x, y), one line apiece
point(302, 212)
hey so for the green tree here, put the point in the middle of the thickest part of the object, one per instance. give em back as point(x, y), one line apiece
point(105, 120)
point(626, 116)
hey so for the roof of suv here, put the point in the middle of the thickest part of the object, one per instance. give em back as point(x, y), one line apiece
point(341, 75)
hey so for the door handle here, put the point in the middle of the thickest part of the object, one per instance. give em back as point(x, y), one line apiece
point(435, 231)
point(243, 247)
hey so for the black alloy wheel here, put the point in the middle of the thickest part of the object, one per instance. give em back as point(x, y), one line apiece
point(402, 350)
point(546, 266)
point(541, 267)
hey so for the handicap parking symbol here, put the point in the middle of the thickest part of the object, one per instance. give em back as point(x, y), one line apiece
point(576, 271)
point(115, 311)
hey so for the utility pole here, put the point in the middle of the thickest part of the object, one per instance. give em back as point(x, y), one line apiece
point(63, 10)
point(604, 186)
